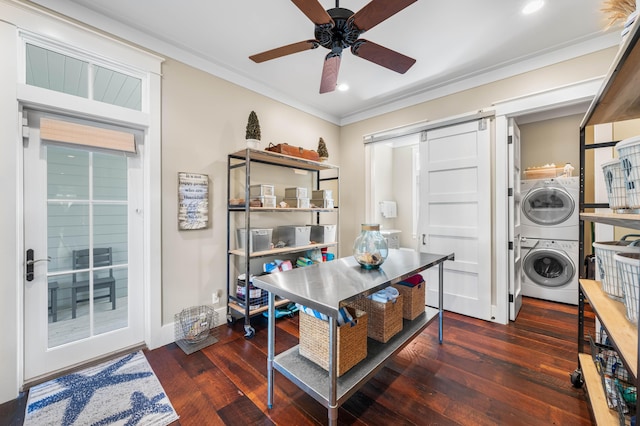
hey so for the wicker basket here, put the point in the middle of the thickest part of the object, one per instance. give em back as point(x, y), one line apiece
point(385, 319)
point(352, 340)
point(414, 299)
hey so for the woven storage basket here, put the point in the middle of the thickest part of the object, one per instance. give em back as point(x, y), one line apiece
point(385, 319)
point(629, 272)
point(352, 340)
point(629, 154)
point(414, 301)
point(614, 181)
point(604, 251)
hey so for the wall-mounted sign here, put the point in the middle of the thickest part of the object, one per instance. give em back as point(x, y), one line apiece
point(193, 197)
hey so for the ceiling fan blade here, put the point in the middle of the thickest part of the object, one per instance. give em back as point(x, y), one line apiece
point(377, 11)
point(330, 73)
point(284, 50)
point(314, 11)
point(382, 56)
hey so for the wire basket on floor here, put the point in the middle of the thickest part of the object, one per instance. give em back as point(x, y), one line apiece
point(193, 325)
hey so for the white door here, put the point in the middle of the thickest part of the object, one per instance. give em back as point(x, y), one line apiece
point(515, 250)
point(82, 232)
point(455, 215)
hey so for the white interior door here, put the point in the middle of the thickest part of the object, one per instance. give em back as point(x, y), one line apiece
point(80, 204)
point(515, 251)
point(455, 215)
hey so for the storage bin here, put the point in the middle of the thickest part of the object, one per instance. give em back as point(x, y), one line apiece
point(261, 190)
point(294, 236)
point(268, 201)
point(257, 296)
point(297, 203)
point(322, 203)
point(628, 265)
point(295, 193)
point(323, 233)
point(614, 181)
point(352, 340)
point(413, 299)
point(321, 194)
point(629, 154)
point(260, 239)
point(604, 251)
point(385, 319)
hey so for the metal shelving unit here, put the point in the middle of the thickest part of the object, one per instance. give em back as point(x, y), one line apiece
point(242, 161)
point(618, 99)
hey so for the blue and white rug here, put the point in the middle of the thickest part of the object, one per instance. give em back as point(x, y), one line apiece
point(120, 392)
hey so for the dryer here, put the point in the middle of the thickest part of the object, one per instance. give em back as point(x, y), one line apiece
point(550, 269)
point(550, 208)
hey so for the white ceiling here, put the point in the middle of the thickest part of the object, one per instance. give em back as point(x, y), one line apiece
point(457, 45)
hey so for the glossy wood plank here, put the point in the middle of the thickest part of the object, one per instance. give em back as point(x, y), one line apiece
point(483, 374)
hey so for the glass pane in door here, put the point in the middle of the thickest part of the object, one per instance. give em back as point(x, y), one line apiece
point(87, 230)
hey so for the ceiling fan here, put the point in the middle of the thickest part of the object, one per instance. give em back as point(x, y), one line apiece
point(337, 29)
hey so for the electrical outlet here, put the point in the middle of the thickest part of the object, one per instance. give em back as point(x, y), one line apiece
point(215, 299)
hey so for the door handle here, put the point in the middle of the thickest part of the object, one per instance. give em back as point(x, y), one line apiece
point(30, 262)
point(423, 241)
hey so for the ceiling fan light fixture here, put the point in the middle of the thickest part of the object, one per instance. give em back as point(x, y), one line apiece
point(532, 7)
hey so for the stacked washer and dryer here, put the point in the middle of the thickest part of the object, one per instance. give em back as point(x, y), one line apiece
point(550, 238)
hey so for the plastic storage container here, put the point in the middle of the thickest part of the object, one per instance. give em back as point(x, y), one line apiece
point(297, 203)
point(268, 201)
point(322, 194)
point(629, 154)
point(323, 233)
point(260, 190)
point(296, 193)
point(260, 239)
point(322, 203)
point(294, 236)
point(628, 265)
point(605, 251)
point(614, 181)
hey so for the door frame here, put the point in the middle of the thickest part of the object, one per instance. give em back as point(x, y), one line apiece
point(561, 101)
point(148, 120)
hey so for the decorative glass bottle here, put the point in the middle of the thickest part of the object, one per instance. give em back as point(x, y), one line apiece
point(370, 248)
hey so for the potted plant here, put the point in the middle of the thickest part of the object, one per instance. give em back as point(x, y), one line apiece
point(322, 150)
point(253, 131)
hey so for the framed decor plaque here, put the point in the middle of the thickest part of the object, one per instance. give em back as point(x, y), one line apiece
point(193, 201)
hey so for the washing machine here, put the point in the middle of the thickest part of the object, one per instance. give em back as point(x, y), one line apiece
point(550, 208)
point(550, 269)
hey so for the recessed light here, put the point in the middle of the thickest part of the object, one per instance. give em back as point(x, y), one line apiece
point(343, 87)
point(532, 6)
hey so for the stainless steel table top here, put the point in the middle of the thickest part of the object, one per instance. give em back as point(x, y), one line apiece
point(326, 287)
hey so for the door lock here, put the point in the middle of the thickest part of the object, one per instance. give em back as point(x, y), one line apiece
point(30, 262)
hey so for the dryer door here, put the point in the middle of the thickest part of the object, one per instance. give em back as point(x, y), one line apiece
point(548, 205)
point(548, 267)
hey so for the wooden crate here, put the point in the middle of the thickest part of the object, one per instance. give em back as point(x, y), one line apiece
point(352, 340)
point(385, 319)
point(414, 299)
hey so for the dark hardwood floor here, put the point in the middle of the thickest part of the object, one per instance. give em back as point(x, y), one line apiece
point(483, 374)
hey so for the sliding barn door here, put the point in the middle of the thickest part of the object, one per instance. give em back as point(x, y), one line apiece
point(455, 214)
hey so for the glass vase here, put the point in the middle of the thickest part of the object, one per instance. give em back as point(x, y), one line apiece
point(370, 248)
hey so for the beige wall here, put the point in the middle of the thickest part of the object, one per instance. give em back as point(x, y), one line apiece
point(204, 119)
point(351, 145)
point(551, 141)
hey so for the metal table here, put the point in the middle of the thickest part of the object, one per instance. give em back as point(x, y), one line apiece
point(327, 287)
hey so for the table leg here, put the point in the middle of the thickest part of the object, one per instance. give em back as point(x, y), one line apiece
point(271, 348)
point(440, 299)
point(333, 371)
